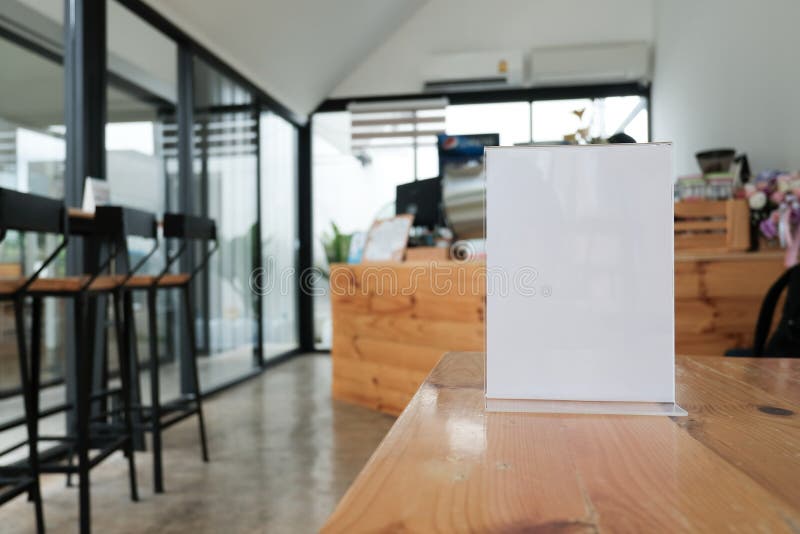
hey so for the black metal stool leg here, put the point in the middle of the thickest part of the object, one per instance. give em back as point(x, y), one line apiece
point(125, 379)
point(36, 364)
point(31, 409)
point(70, 463)
point(192, 351)
point(155, 393)
point(82, 412)
point(131, 345)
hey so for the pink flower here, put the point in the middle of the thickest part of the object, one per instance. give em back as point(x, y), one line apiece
point(777, 197)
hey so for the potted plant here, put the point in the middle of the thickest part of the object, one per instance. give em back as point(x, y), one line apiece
point(337, 246)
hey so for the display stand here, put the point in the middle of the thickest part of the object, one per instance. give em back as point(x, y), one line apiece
point(580, 300)
point(589, 407)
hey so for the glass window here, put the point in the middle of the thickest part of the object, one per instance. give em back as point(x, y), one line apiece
point(509, 119)
point(32, 159)
point(278, 140)
point(427, 160)
point(141, 106)
point(583, 120)
point(351, 189)
point(556, 120)
point(626, 114)
point(226, 139)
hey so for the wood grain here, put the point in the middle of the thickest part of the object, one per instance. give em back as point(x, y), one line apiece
point(718, 297)
point(168, 280)
point(68, 284)
point(695, 209)
point(448, 466)
point(712, 224)
point(101, 283)
point(10, 270)
point(392, 323)
point(734, 418)
point(737, 214)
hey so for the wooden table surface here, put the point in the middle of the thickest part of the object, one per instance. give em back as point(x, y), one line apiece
point(732, 465)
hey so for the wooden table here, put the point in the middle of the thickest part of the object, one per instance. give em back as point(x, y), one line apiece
point(447, 466)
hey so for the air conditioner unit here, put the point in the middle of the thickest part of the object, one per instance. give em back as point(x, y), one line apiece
point(591, 64)
point(471, 71)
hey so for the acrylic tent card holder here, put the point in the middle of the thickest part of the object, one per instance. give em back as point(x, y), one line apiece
point(580, 308)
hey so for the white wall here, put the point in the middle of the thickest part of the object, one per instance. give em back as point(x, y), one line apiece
point(727, 74)
point(475, 25)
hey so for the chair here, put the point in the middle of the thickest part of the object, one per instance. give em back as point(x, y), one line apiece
point(102, 431)
point(161, 415)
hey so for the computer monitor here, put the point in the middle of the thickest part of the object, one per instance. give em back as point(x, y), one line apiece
point(423, 200)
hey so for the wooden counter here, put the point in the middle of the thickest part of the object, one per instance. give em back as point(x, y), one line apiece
point(392, 322)
point(718, 297)
point(447, 466)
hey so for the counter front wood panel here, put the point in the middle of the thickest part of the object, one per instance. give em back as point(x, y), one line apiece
point(448, 466)
point(718, 297)
point(392, 323)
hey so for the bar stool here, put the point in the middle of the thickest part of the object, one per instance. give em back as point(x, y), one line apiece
point(101, 431)
point(28, 213)
point(161, 415)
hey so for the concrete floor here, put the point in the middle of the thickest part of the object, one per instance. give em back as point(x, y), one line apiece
point(282, 455)
point(213, 370)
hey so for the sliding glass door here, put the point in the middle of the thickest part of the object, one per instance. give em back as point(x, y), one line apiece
point(277, 283)
point(225, 147)
point(32, 160)
point(140, 140)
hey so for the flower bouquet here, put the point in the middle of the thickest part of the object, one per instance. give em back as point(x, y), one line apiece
point(774, 199)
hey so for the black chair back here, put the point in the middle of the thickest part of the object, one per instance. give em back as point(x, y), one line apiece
point(190, 228)
point(117, 223)
point(26, 212)
point(122, 221)
point(178, 225)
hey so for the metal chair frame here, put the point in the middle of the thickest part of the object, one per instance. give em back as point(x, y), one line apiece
point(101, 431)
point(160, 415)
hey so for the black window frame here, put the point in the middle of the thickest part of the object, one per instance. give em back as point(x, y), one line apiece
point(84, 58)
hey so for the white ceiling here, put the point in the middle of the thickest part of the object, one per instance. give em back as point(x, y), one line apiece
point(296, 50)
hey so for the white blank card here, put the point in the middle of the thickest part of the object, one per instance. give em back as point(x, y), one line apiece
point(580, 273)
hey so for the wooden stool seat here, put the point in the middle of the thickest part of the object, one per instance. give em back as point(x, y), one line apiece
point(71, 284)
point(66, 285)
point(168, 280)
